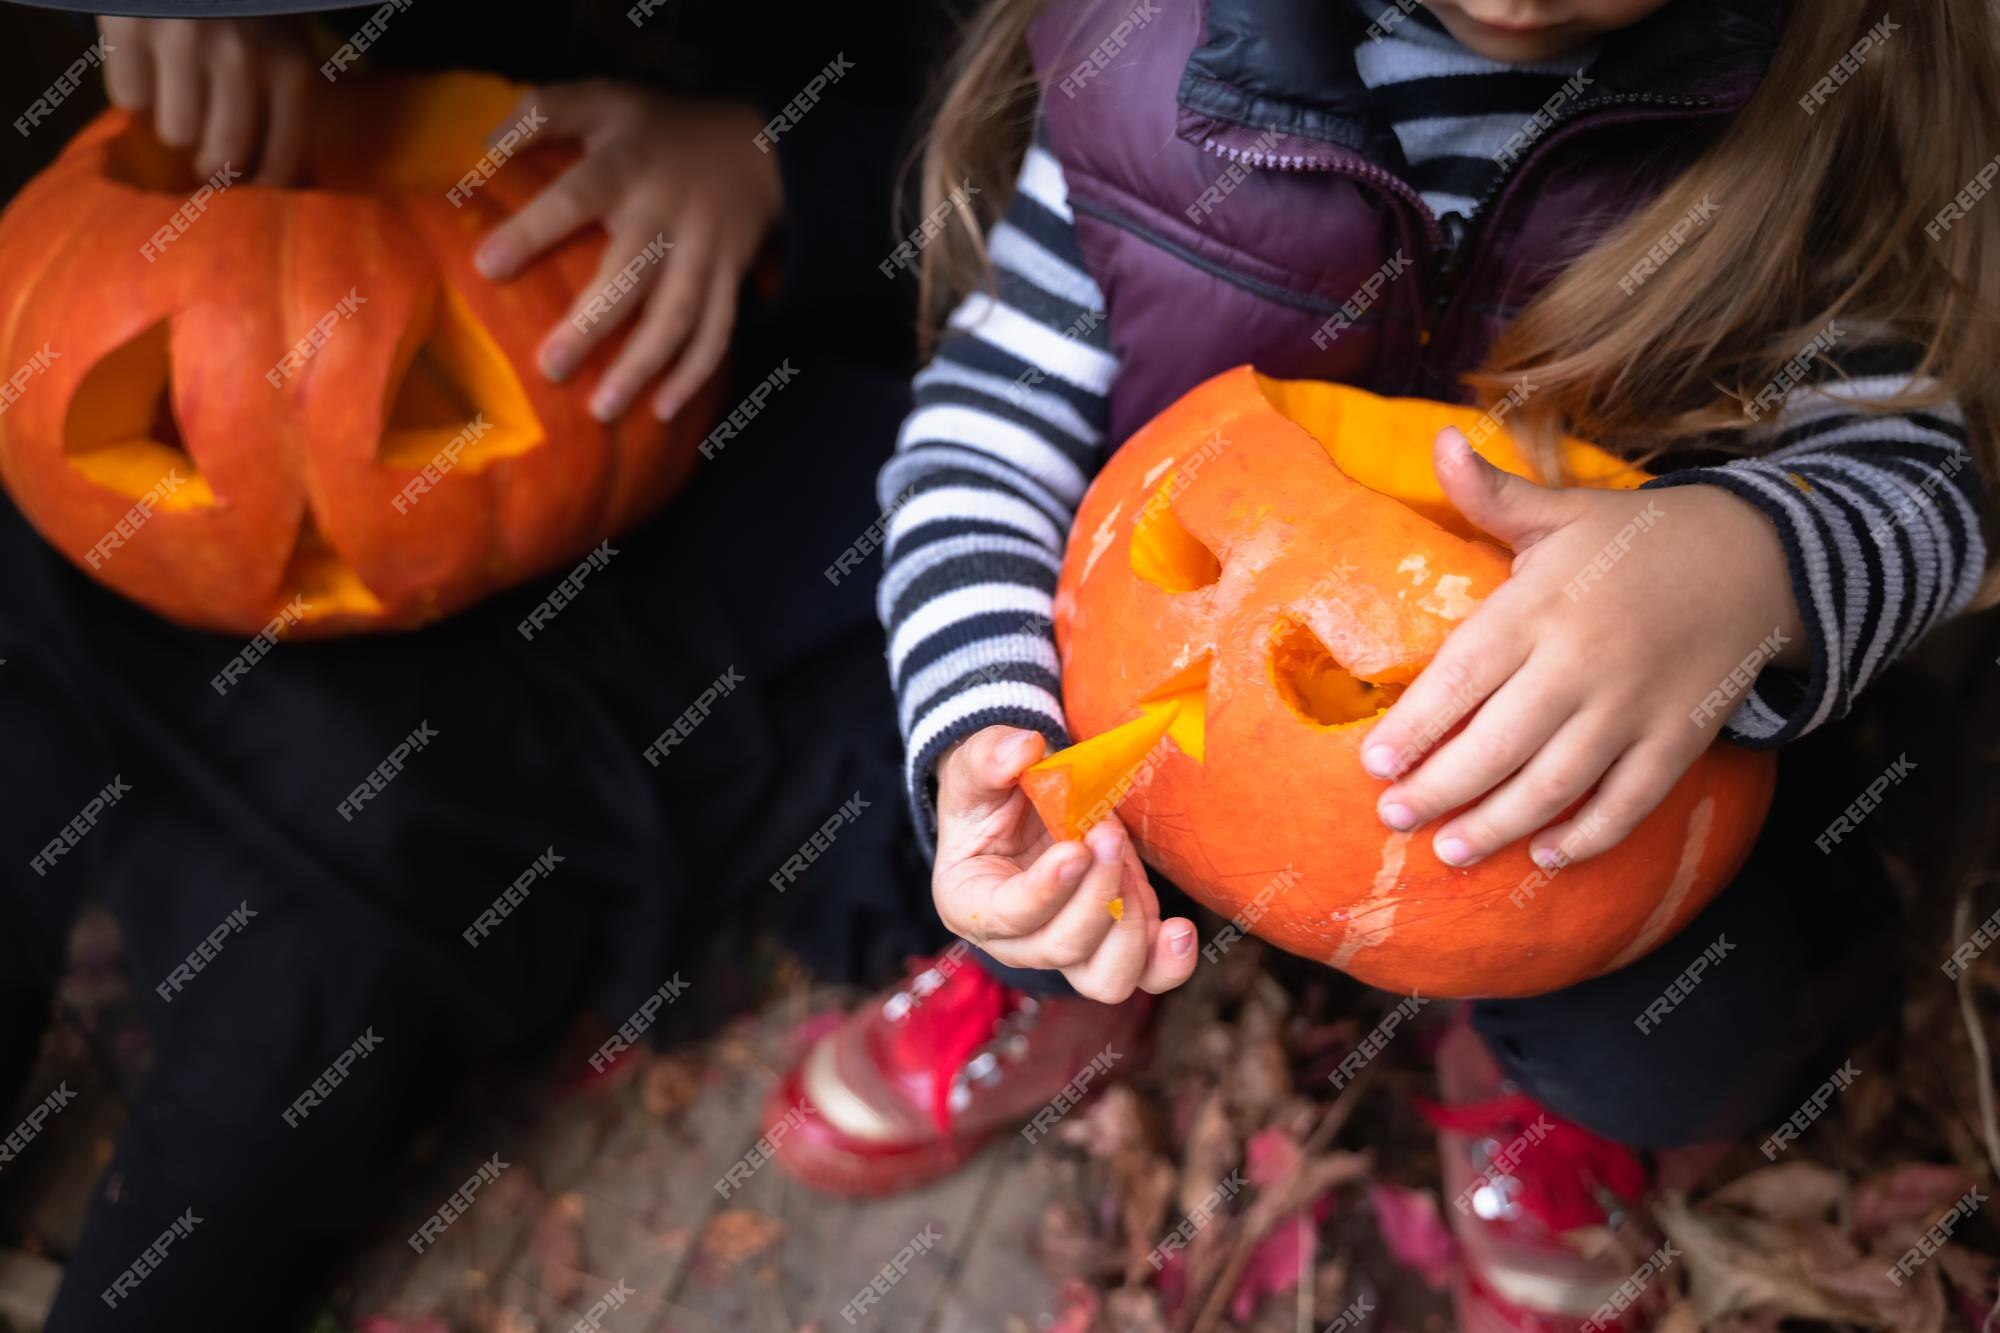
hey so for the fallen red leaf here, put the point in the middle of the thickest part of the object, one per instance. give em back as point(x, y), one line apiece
point(1413, 1232)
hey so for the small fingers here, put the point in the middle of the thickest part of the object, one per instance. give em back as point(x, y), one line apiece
point(1504, 734)
point(982, 773)
point(1474, 662)
point(180, 78)
point(128, 63)
point(598, 309)
point(1171, 960)
point(572, 200)
point(670, 313)
point(705, 350)
point(1560, 771)
point(234, 110)
point(1633, 789)
point(985, 900)
point(282, 158)
point(1110, 967)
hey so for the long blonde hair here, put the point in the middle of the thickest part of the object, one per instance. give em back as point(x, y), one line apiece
point(1830, 218)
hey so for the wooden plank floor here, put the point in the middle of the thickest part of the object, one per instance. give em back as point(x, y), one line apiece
point(612, 1190)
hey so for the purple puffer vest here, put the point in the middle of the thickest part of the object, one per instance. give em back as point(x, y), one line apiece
point(1222, 163)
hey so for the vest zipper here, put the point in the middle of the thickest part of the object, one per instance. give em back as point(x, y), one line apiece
point(1451, 240)
point(1460, 240)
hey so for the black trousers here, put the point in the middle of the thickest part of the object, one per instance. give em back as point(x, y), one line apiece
point(347, 950)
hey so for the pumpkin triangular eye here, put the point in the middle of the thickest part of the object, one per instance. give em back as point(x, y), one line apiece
point(1164, 552)
point(451, 384)
point(123, 433)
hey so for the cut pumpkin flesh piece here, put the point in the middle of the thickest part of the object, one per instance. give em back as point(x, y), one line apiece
point(1075, 788)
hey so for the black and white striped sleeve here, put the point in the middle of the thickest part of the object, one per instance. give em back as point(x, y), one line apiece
point(1007, 431)
point(1879, 514)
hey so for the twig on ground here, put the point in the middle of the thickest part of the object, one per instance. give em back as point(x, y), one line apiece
point(1246, 1239)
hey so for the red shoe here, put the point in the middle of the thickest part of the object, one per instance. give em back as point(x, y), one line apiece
point(1517, 1177)
point(905, 1090)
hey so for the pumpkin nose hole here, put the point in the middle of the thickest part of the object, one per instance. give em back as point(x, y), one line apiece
point(123, 432)
point(1316, 687)
point(1166, 554)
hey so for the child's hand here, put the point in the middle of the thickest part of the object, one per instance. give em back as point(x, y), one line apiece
point(653, 166)
point(1571, 674)
point(1001, 882)
point(237, 88)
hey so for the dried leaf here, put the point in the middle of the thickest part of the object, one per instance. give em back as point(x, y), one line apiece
point(735, 1236)
point(557, 1246)
point(1914, 1192)
point(1064, 1243)
point(1413, 1232)
point(1260, 1076)
point(1277, 1263)
point(1134, 1310)
point(1113, 1124)
point(1211, 1152)
point(1738, 1263)
point(1075, 1310)
point(669, 1086)
point(1791, 1192)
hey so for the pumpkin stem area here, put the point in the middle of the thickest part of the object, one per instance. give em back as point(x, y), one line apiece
point(373, 135)
point(1316, 686)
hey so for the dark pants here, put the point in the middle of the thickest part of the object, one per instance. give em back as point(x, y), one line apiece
point(1725, 1028)
point(339, 936)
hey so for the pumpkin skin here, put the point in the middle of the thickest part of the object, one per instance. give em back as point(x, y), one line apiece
point(286, 506)
point(1251, 580)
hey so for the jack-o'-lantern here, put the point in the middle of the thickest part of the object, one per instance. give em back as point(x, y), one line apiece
point(1252, 580)
point(244, 405)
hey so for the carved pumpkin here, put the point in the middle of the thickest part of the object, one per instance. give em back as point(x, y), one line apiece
point(245, 404)
point(1252, 580)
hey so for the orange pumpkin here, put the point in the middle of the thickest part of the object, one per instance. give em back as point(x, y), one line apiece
point(1251, 581)
point(241, 404)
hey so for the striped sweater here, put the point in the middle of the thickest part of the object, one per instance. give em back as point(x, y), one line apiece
point(1878, 514)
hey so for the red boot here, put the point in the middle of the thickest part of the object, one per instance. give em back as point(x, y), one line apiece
point(909, 1087)
point(1516, 1177)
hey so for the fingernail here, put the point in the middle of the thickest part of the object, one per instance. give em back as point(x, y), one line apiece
point(1548, 858)
point(1380, 760)
point(492, 258)
point(607, 402)
point(1453, 851)
point(1398, 817)
point(1070, 872)
point(1012, 750)
point(1181, 943)
point(558, 356)
point(665, 408)
point(1104, 842)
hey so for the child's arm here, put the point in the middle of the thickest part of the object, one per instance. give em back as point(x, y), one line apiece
point(1008, 429)
point(1880, 520)
point(988, 472)
point(1827, 557)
